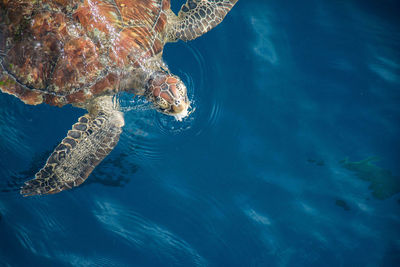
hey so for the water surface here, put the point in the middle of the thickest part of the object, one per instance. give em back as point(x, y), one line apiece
point(291, 157)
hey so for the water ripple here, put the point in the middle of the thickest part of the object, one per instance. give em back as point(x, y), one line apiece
point(149, 132)
point(145, 235)
point(264, 48)
point(81, 260)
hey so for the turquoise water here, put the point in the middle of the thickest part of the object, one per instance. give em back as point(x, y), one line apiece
point(291, 157)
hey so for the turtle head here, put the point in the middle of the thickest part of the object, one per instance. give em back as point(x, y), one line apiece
point(168, 94)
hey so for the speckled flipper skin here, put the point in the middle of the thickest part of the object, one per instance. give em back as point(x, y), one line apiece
point(88, 142)
point(197, 17)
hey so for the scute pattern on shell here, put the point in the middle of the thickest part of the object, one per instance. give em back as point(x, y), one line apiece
point(67, 51)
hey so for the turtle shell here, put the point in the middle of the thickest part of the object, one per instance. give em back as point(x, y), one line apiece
point(68, 51)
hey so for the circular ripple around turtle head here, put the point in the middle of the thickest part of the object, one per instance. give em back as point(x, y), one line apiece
point(207, 93)
point(203, 94)
point(140, 130)
point(149, 131)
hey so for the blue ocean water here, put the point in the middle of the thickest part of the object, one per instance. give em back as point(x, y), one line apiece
point(290, 158)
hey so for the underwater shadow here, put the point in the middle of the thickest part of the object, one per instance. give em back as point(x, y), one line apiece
point(114, 171)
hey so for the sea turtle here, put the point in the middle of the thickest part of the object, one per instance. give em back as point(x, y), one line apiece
point(82, 52)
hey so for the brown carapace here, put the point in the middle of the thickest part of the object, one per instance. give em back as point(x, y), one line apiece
point(82, 52)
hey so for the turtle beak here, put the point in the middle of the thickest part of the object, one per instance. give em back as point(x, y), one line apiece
point(181, 111)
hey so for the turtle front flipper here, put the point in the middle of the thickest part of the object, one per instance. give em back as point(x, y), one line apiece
point(88, 142)
point(197, 17)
